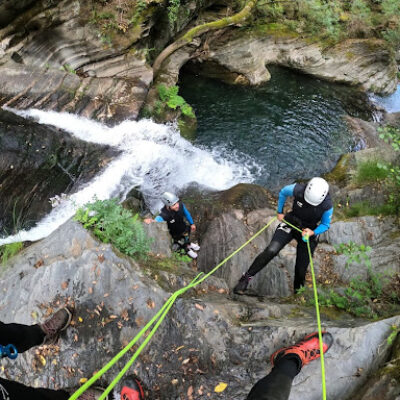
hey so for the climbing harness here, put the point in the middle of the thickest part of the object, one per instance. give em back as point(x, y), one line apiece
point(161, 314)
point(9, 351)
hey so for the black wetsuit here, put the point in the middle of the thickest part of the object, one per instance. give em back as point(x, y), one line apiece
point(303, 215)
point(177, 226)
point(23, 337)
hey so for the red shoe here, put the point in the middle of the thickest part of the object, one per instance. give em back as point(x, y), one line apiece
point(132, 390)
point(307, 349)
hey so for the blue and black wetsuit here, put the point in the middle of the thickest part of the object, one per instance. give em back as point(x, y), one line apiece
point(177, 222)
point(303, 215)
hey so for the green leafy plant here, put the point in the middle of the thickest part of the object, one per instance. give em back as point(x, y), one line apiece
point(9, 250)
point(181, 257)
point(355, 253)
point(370, 171)
point(140, 7)
point(173, 10)
point(169, 96)
point(362, 298)
point(111, 223)
point(391, 135)
point(362, 208)
point(322, 18)
point(393, 334)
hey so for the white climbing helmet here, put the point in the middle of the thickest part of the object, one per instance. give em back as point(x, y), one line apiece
point(169, 199)
point(316, 191)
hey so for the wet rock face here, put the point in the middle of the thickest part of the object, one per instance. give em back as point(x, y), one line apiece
point(9, 9)
point(207, 338)
point(38, 162)
point(52, 57)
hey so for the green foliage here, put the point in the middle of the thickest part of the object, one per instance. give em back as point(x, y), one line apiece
point(9, 250)
point(370, 172)
point(393, 334)
point(393, 186)
point(392, 35)
point(355, 253)
point(273, 12)
point(362, 208)
point(390, 8)
point(173, 10)
point(140, 7)
point(181, 256)
point(169, 96)
point(360, 22)
point(391, 135)
point(362, 298)
point(111, 223)
point(322, 18)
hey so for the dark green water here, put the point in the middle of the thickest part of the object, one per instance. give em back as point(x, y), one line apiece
point(291, 128)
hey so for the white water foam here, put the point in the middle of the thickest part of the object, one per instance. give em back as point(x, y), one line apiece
point(154, 157)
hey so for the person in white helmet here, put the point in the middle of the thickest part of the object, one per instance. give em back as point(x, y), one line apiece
point(312, 212)
point(180, 223)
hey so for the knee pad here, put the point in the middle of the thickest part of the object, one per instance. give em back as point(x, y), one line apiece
point(273, 249)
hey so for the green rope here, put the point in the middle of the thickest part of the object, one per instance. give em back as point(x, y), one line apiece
point(159, 317)
point(316, 309)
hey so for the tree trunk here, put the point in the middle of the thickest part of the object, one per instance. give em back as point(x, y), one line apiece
point(199, 30)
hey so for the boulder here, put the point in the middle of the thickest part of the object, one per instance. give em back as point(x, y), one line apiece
point(385, 383)
point(161, 239)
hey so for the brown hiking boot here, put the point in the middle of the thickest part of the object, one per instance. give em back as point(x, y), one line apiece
point(56, 323)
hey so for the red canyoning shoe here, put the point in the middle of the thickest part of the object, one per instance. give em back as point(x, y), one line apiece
point(307, 349)
point(132, 390)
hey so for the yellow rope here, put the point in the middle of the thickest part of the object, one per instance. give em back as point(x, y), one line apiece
point(316, 309)
point(157, 319)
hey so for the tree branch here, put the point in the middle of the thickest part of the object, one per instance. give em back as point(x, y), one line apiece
point(199, 30)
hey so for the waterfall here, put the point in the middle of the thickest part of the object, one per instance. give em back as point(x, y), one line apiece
point(154, 158)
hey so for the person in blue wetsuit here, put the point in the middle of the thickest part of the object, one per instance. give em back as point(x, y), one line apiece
point(312, 212)
point(180, 223)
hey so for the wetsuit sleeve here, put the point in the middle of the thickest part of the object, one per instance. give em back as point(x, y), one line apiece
point(187, 215)
point(159, 218)
point(325, 222)
point(283, 195)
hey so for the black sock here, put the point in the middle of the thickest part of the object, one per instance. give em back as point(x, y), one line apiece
point(290, 365)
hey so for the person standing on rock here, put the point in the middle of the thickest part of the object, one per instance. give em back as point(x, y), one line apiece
point(287, 363)
point(177, 217)
point(312, 212)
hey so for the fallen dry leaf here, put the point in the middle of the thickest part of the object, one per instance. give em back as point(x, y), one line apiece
point(220, 387)
point(199, 307)
point(150, 303)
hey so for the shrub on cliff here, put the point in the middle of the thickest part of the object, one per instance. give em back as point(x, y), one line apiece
point(111, 223)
